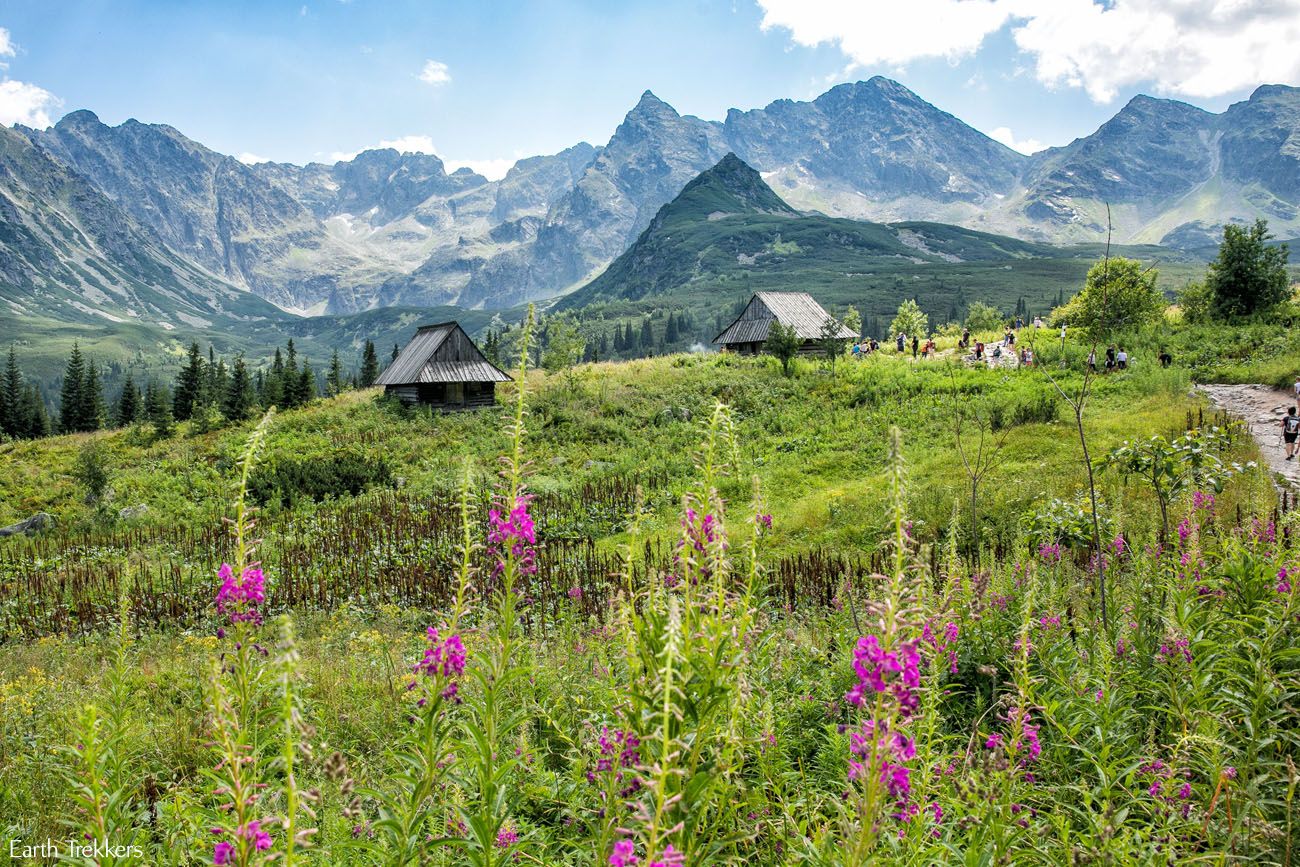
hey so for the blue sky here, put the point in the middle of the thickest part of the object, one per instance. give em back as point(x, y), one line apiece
point(488, 82)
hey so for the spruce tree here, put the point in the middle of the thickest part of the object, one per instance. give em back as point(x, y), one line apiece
point(34, 417)
point(11, 398)
point(334, 381)
point(128, 403)
point(158, 409)
point(306, 385)
point(210, 372)
point(289, 379)
point(70, 399)
point(189, 382)
point(93, 408)
point(239, 397)
point(396, 352)
point(670, 330)
point(369, 365)
point(273, 386)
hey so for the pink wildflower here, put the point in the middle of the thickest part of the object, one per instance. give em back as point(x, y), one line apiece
point(513, 536)
point(253, 833)
point(624, 854)
point(896, 671)
point(223, 853)
point(672, 858)
point(239, 598)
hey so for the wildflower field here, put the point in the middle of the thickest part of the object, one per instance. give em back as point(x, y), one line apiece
point(680, 611)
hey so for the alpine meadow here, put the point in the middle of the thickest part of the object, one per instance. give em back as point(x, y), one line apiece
point(834, 483)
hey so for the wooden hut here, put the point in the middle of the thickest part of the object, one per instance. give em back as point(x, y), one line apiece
point(442, 368)
point(795, 310)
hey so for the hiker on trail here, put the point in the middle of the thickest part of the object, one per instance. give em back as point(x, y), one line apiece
point(1009, 338)
point(979, 350)
point(1290, 432)
point(997, 350)
point(875, 345)
point(1092, 360)
point(1024, 356)
point(1165, 358)
point(1110, 358)
point(916, 345)
point(930, 348)
point(901, 341)
point(1297, 389)
point(1038, 322)
point(1020, 322)
point(1121, 359)
point(857, 350)
point(965, 338)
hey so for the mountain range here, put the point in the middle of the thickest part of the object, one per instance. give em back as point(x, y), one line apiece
point(138, 222)
point(728, 234)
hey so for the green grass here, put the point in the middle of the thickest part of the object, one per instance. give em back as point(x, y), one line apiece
point(742, 703)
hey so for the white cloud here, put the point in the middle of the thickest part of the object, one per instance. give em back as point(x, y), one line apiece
point(1028, 146)
point(1197, 48)
point(251, 159)
point(435, 72)
point(21, 102)
point(890, 33)
point(27, 104)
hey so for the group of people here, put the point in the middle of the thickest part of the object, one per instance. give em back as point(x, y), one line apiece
point(1117, 358)
point(901, 343)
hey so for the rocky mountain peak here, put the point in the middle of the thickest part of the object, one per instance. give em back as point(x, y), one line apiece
point(730, 187)
point(79, 119)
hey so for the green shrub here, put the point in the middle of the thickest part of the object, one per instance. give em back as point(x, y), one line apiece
point(287, 481)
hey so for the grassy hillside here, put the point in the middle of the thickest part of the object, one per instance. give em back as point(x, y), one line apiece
point(707, 671)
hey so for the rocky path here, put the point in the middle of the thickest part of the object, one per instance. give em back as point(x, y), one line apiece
point(1262, 408)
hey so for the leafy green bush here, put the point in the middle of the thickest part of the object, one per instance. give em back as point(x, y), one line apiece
point(287, 481)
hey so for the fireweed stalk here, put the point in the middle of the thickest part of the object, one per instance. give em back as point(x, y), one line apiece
point(236, 689)
point(101, 768)
point(686, 655)
point(887, 665)
point(409, 811)
point(494, 716)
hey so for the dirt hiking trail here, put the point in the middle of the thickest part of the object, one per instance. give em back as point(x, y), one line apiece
point(1261, 407)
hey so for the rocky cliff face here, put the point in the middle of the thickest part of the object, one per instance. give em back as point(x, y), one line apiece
point(879, 139)
point(70, 253)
